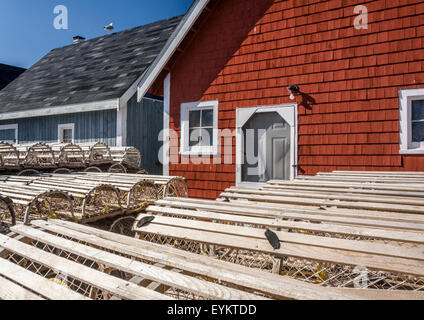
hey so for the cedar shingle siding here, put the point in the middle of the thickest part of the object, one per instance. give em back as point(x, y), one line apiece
point(247, 52)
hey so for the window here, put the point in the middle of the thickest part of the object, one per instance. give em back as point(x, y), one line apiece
point(417, 121)
point(199, 128)
point(66, 133)
point(412, 121)
point(9, 133)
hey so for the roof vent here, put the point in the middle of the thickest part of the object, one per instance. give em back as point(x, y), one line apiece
point(78, 39)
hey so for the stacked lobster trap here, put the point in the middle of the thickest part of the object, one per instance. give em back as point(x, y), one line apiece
point(80, 197)
point(30, 159)
point(62, 260)
point(365, 234)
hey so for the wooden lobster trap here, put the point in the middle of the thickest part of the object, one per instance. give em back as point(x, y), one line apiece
point(332, 233)
point(167, 186)
point(9, 157)
point(69, 156)
point(22, 203)
point(323, 254)
point(96, 153)
point(63, 260)
point(129, 157)
point(37, 156)
point(88, 201)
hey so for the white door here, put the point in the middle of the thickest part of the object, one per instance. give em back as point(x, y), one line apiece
point(266, 144)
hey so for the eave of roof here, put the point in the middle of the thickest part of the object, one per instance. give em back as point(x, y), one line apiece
point(151, 74)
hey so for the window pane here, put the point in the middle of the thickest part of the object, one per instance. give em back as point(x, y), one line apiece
point(207, 118)
point(67, 136)
point(195, 137)
point(418, 131)
point(417, 109)
point(207, 137)
point(194, 118)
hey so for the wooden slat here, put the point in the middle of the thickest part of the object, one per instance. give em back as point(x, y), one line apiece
point(272, 210)
point(116, 286)
point(377, 180)
point(324, 202)
point(382, 263)
point(11, 291)
point(330, 196)
point(344, 184)
point(393, 235)
point(42, 286)
point(414, 175)
point(295, 238)
point(200, 287)
point(369, 192)
point(279, 286)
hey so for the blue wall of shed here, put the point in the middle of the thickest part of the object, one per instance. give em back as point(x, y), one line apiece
point(99, 126)
point(144, 123)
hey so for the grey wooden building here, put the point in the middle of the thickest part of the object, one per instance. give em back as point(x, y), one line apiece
point(87, 92)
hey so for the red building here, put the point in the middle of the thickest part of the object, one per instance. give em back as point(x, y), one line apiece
point(360, 73)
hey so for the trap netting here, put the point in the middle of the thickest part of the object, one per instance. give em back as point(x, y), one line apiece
point(176, 187)
point(84, 287)
point(317, 272)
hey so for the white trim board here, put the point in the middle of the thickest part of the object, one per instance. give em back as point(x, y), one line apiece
point(146, 81)
point(166, 118)
point(75, 108)
point(288, 112)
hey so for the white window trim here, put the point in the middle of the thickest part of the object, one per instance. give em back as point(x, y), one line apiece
point(185, 148)
point(289, 113)
point(11, 127)
point(405, 117)
point(60, 129)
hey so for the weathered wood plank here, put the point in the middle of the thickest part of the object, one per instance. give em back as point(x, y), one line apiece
point(272, 210)
point(330, 196)
point(278, 286)
point(116, 286)
point(35, 282)
point(294, 238)
point(337, 256)
point(11, 291)
point(325, 202)
point(279, 223)
point(206, 289)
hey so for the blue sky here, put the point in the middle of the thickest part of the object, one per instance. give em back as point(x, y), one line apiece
point(27, 32)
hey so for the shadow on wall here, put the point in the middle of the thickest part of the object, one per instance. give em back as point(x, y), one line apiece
point(210, 51)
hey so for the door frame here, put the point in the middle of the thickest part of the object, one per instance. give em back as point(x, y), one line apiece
point(286, 111)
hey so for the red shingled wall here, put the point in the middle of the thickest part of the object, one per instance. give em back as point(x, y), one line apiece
point(249, 51)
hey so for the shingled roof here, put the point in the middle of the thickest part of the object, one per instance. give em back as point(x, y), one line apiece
point(99, 69)
point(8, 74)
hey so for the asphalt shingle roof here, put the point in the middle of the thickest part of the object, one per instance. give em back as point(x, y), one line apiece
point(8, 74)
point(93, 70)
